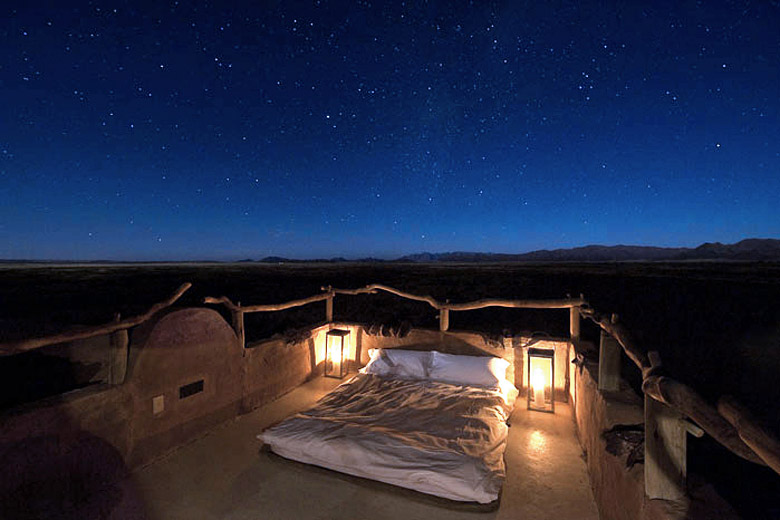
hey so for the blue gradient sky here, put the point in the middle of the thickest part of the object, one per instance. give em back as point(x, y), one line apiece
point(170, 130)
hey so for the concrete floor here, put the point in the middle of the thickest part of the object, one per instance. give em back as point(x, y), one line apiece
point(225, 476)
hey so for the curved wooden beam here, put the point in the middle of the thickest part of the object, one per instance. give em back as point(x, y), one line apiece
point(224, 300)
point(566, 303)
point(17, 347)
point(352, 292)
point(688, 402)
point(616, 329)
point(403, 294)
point(761, 440)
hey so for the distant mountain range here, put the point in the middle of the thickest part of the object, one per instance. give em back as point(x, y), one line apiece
point(748, 250)
point(751, 249)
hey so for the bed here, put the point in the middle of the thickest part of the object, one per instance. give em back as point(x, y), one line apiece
point(424, 420)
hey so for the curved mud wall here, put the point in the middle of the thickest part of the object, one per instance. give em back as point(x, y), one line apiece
point(618, 485)
point(186, 374)
point(194, 347)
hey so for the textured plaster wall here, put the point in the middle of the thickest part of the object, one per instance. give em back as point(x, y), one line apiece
point(89, 438)
point(274, 368)
point(619, 490)
point(184, 347)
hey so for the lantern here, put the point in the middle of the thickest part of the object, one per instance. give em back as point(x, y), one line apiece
point(541, 380)
point(336, 351)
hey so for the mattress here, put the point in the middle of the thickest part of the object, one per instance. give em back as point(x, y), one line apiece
point(437, 438)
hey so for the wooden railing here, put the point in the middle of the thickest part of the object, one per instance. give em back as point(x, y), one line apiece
point(444, 308)
point(668, 405)
point(116, 330)
point(16, 347)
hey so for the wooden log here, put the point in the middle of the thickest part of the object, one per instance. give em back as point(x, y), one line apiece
point(609, 363)
point(574, 325)
point(237, 317)
point(444, 319)
point(16, 347)
point(621, 334)
point(329, 308)
point(760, 440)
point(665, 451)
point(566, 303)
point(223, 300)
point(689, 403)
point(693, 429)
point(409, 296)
point(352, 292)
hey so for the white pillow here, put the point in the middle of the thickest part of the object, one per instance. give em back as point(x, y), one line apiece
point(410, 364)
point(468, 370)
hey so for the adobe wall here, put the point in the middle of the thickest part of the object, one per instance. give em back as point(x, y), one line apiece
point(273, 368)
point(619, 490)
point(187, 373)
point(187, 347)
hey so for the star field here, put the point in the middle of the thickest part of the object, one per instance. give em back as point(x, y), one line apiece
point(177, 130)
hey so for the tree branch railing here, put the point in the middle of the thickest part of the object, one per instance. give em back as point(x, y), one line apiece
point(16, 347)
point(237, 310)
point(566, 303)
point(272, 307)
point(730, 424)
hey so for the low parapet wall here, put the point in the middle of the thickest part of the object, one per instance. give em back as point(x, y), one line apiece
point(616, 477)
point(187, 373)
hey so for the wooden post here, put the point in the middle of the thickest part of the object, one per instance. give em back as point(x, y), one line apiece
point(238, 325)
point(574, 342)
point(574, 325)
point(665, 447)
point(444, 319)
point(609, 363)
point(329, 308)
point(117, 362)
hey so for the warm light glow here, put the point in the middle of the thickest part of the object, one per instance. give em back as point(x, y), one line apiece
point(337, 350)
point(334, 355)
point(537, 385)
point(537, 381)
point(537, 442)
point(541, 380)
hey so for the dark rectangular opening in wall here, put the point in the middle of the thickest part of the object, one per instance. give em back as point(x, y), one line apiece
point(191, 389)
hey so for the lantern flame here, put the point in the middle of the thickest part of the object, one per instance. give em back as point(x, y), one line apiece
point(537, 384)
point(538, 379)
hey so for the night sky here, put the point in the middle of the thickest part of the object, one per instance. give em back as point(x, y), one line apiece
point(179, 130)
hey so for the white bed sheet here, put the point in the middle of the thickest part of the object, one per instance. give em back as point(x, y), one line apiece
point(436, 438)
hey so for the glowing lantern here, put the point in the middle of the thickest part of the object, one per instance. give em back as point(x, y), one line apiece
point(541, 380)
point(336, 351)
